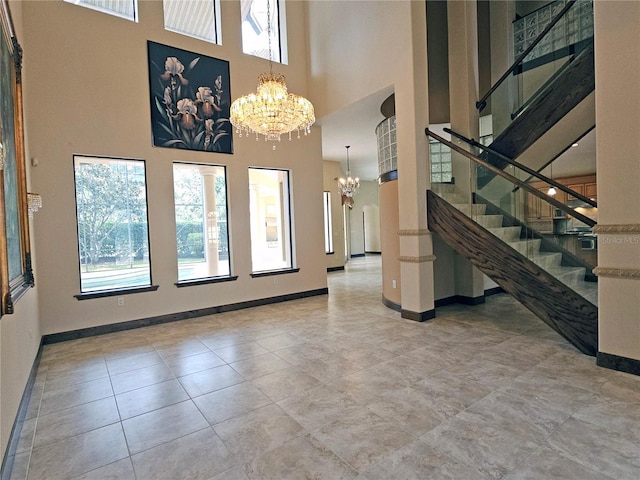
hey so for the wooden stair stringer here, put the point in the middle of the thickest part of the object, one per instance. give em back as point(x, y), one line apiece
point(564, 310)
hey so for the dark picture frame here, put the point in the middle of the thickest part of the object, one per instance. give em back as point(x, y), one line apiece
point(190, 100)
point(16, 274)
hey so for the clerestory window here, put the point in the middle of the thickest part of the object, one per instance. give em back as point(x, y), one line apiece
point(195, 18)
point(257, 20)
point(120, 8)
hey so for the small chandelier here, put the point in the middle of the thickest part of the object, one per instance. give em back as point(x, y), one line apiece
point(349, 186)
point(272, 111)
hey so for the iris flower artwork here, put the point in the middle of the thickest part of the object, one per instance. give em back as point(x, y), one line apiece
point(190, 100)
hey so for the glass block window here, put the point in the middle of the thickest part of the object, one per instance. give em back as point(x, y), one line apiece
point(575, 27)
point(195, 18)
point(387, 146)
point(120, 8)
point(440, 157)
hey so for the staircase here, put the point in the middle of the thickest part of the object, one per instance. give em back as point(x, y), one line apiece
point(563, 92)
point(541, 280)
point(519, 238)
point(550, 281)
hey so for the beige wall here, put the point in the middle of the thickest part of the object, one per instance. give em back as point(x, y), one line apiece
point(390, 242)
point(386, 45)
point(354, 49)
point(86, 81)
point(617, 62)
point(19, 332)
point(331, 171)
point(367, 195)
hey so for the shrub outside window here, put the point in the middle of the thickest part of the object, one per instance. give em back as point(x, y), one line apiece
point(113, 240)
point(270, 219)
point(200, 194)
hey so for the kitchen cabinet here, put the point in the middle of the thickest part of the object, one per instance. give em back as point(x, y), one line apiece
point(584, 185)
point(538, 213)
point(576, 187)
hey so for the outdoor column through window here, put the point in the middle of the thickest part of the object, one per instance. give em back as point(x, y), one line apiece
point(211, 219)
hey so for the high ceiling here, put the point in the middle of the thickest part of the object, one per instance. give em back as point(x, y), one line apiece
point(355, 126)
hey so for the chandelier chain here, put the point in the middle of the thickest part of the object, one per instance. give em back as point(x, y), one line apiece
point(349, 186)
point(272, 110)
point(269, 36)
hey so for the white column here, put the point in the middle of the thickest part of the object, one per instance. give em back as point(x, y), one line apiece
point(412, 116)
point(617, 64)
point(211, 221)
point(463, 87)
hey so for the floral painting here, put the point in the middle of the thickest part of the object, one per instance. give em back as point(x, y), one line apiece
point(190, 100)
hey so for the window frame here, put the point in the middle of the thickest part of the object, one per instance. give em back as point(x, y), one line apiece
point(289, 227)
point(328, 223)
point(108, 292)
point(97, 8)
point(216, 278)
point(217, 24)
point(280, 47)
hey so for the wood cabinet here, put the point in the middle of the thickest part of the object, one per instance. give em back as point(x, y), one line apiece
point(591, 190)
point(576, 187)
point(541, 212)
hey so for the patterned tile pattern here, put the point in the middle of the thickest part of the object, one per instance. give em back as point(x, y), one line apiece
point(331, 387)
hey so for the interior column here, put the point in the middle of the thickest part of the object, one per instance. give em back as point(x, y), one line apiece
point(462, 18)
point(412, 116)
point(617, 64)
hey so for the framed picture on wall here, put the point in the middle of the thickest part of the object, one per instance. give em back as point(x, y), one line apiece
point(15, 253)
point(190, 100)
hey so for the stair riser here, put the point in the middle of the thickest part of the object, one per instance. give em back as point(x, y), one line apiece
point(548, 262)
point(507, 234)
point(489, 221)
point(467, 208)
point(527, 249)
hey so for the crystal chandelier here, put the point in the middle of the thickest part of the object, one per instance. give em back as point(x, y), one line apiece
point(348, 186)
point(272, 111)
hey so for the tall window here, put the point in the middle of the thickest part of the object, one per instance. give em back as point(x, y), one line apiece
point(270, 218)
point(328, 228)
point(113, 240)
point(200, 193)
point(196, 18)
point(120, 8)
point(255, 38)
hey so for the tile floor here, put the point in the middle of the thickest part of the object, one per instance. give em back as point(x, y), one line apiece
point(331, 387)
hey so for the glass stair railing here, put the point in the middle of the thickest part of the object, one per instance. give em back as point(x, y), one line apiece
point(523, 217)
point(546, 43)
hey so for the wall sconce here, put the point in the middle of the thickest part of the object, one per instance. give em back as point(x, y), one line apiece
point(34, 202)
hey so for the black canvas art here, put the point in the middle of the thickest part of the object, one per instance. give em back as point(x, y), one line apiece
point(190, 100)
